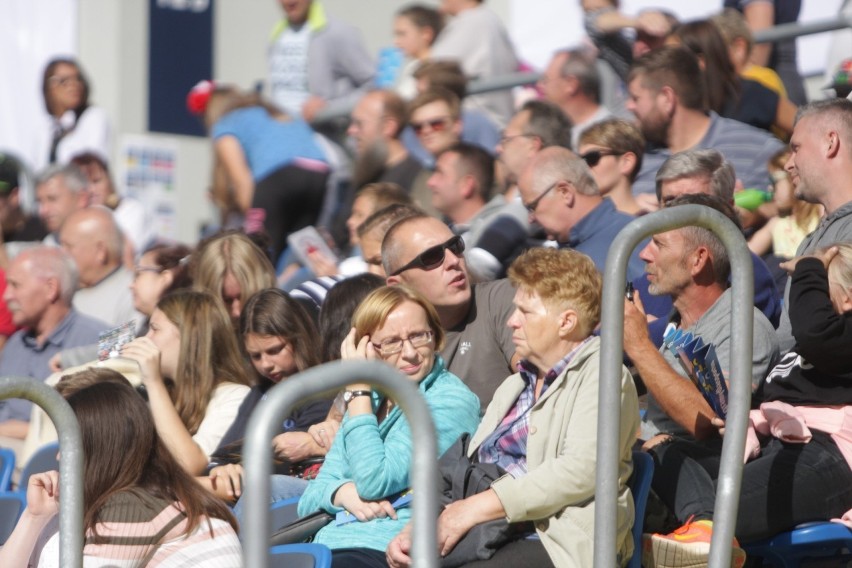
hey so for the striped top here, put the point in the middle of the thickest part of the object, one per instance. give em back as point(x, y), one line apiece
point(137, 529)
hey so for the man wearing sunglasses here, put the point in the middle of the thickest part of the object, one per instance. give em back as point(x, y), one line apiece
point(559, 192)
point(422, 252)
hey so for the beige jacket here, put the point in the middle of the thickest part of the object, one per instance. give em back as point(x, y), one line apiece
point(559, 489)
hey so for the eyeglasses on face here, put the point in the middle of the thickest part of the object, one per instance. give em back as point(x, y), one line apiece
point(64, 81)
point(593, 157)
point(533, 205)
point(435, 125)
point(137, 271)
point(433, 257)
point(393, 345)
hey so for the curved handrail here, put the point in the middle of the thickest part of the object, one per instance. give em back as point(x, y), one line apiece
point(265, 422)
point(71, 471)
point(612, 340)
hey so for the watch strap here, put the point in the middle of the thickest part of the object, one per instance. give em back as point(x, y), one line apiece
point(348, 396)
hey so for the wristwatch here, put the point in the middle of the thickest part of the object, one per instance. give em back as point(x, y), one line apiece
point(349, 395)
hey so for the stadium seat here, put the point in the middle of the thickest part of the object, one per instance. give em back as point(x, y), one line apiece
point(303, 555)
point(808, 540)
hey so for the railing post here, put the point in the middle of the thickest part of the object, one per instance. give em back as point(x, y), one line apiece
point(71, 470)
point(264, 425)
point(612, 340)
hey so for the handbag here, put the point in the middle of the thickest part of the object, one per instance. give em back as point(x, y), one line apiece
point(463, 478)
point(301, 530)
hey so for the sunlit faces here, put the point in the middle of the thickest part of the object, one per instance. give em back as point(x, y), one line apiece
point(444, 183)
point(271, 356)
point(56, 202)
point(672, 189)
point(296, 10)
point(446, 285)
point(535, 329)
point(100, 187)
point(86, 250)
point(367, 122)
point(517, 148)
point(607, 171)
point(547, 209)
point(666, 264)
point(65, 88)
point(407, 320)
point(371, 251)
point(413, 41)
point(27, 295)
point(166, 336)
point(362, 208)
point(436, 128)
point(149, 283)
point(649, 108)
point(552, 83)
point(804, 164)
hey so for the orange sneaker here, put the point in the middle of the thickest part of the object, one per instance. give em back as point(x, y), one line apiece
point(686, 547)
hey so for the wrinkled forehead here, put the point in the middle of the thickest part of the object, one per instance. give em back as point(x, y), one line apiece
point(421, 234)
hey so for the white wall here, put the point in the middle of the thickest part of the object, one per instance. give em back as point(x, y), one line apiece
point(113, 49)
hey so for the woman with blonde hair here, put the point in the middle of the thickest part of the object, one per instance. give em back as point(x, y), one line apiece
point(193, 372)
point(268, 165)
point(230, 265)
point(368, 465)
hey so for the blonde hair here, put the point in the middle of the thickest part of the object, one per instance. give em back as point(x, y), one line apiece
point(236, 254)
point(840, 267)
point(562, 279)
point(619, 136)
point(209, 353)
point(378, 305)
point(804, 213)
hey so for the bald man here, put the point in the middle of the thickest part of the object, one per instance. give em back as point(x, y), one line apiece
point(93, 240)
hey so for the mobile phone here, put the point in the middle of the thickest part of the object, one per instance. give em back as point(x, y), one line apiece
point(628, 291)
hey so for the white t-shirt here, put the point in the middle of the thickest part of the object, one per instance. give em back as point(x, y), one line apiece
point(220, 414)
point(288, 69)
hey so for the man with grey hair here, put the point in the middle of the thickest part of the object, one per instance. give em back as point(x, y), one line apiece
point(702, 172)
point(820, 165)
point(60, 190)
point(572, 82)
point(41, 284)
point(93, 239)
point(559, 192)
point(689, 264)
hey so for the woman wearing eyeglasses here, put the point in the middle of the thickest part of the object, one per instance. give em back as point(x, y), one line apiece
point(75, 125)
point(368, 465)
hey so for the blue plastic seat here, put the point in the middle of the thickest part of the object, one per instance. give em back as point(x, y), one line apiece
point(284, 512)
point(808, 540)
point(7, 467)
point(303, 555)
point(640, 486)
point(13, 503)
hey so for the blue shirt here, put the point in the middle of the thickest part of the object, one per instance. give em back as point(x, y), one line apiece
point(23, 357)
point(267, 143)
point(595, 232)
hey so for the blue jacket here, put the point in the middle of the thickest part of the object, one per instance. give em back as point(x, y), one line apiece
point(377, 458)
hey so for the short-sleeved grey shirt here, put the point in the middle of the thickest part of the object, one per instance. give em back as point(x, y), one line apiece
point(479, 350)
point(715, 327)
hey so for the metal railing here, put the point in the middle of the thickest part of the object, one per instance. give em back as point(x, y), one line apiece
point(71, 471)
point(265, 423)
point(612, 324)
point(512, 80)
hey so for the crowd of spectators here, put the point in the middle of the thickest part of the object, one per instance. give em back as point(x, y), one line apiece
point(462, 240)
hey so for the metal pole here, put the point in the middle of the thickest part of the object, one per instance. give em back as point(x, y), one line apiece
point(71, 470)
point(798, 29)
point(612, 343)
point(264, 425)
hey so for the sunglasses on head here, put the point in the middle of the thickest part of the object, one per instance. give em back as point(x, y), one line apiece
point(593, 157)
point(435, 124)
point(433, 257)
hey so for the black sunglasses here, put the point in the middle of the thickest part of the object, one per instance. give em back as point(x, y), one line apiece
point(433, 257)
point(593, 157)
